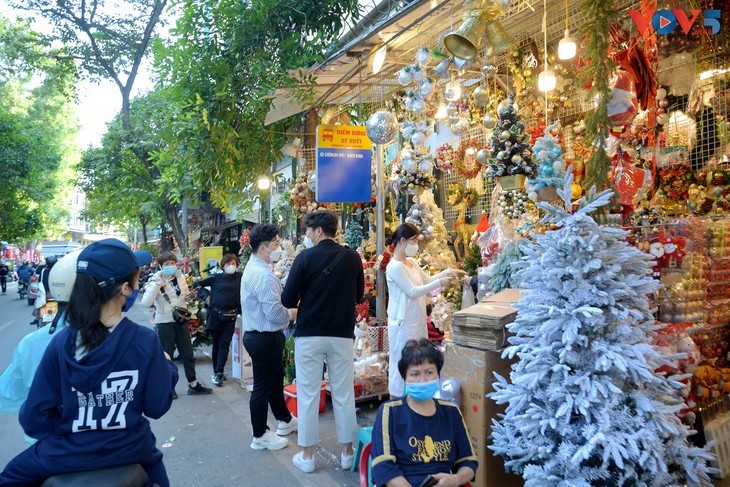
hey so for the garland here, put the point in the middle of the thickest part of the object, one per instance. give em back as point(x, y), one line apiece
point(597, 71)
point(461, 167)
point(675, 181)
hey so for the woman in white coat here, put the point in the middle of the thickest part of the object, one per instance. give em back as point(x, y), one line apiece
point(408, 290)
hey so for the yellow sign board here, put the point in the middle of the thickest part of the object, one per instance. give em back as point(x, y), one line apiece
point(209, 258)
point(342, 137)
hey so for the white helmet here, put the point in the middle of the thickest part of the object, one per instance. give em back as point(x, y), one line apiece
point(63, 276)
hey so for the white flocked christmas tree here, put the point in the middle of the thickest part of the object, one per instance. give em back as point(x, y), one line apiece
point(584, 406)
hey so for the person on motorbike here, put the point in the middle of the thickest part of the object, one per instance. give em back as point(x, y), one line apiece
point(43, 278)
point(98, 380)
point(4, 271)
point(24, 272)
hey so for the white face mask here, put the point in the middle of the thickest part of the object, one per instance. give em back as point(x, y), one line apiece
point(275, 255)
point(229, 269)
point(411, 249)
point(308, 242)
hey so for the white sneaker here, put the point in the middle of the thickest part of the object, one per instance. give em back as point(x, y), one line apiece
point(269, 441)
point(284, 428)
point(346, 462)
point(306, 466)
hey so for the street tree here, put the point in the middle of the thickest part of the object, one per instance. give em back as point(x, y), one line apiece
point(109, 40)
point(37, 127)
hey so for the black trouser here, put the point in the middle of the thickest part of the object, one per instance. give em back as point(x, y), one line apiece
point(266, 350)
point(174, 334)
point(4, 283)
point(221, 345)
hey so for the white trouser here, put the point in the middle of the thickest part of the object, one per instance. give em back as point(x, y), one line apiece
point(399, 332)
point(309, 357)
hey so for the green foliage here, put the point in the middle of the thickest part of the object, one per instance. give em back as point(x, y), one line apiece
point(473, 259)
point(290, 369)
point(227, 59)
point(599, 69)
point(36, 124)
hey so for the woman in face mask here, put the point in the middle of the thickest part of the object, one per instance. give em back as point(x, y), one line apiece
point(408, 290)
point(417, 436)
point(224, 308)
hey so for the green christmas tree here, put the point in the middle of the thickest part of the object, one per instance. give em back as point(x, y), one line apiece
point(510, 150)
point(473, 259)
point(354, 235)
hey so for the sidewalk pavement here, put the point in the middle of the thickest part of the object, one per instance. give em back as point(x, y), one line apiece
point(210, 437)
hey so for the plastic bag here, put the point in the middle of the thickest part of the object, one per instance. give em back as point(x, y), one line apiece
point(626, 178)
point(467, 297)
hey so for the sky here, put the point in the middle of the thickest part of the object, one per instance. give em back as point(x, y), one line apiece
point(98, 102)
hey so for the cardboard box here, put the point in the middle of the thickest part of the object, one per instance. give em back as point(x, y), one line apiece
point(504, 296)
point(474, 368)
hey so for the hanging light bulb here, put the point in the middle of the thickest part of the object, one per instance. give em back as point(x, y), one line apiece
point(377, 59)
point(567, 47)
point(546, 81)
point(453, 90)
point(441, 113)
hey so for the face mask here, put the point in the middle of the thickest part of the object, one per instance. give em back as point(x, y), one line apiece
point(229, 269)
point(422, 391)
point(169, 270)
point(411, 249)
point(275, 255)
point(308, 242)
point(130, 300)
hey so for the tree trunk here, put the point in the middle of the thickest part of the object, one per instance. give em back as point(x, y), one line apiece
point(143, 222)
point(173, 219)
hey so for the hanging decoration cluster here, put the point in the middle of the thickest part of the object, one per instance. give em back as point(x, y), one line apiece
point(510, 152)
point(551, 165)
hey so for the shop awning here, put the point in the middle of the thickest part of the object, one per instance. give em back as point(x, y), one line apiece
point(345, 77)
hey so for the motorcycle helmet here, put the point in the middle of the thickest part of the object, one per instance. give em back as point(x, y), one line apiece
point(63, 276)
point(25, 262)
point(51, 261)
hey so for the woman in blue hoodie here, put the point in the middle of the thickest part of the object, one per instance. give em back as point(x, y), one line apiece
point(97, 381)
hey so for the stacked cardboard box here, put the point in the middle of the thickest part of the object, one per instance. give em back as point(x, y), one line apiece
point(475, 368)
point(483, 325)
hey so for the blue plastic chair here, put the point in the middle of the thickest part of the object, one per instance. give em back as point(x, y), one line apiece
point(364, 436)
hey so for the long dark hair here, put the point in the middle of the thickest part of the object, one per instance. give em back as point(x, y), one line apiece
point(404, 230)
point(84, 307)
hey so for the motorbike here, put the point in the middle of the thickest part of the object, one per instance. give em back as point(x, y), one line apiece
point(23, 289)
point(34, 289)
point(45, 314)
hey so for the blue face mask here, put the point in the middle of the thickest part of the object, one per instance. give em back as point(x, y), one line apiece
point(169, 270)
point(422, 391)
point(130, 300)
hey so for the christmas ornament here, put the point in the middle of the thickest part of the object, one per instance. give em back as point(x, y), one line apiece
point(382, 127)
point(489, 121)
point(483, 156)
point(481, 96)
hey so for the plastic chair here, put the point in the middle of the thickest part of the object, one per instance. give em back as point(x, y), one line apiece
point(364, 466)
point(364, 436)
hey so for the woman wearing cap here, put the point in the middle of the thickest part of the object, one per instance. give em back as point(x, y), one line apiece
point(97, 381)
point(408, 288)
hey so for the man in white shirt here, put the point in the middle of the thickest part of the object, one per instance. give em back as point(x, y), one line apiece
point(264, 319)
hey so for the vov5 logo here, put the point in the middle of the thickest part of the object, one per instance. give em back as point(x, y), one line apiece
point(665, 21)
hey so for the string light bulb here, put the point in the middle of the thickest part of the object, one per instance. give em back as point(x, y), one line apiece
point(567, 48)
point(546, 81)
point(441, 113)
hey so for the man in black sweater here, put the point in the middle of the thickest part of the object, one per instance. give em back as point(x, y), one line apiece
point(326, 281)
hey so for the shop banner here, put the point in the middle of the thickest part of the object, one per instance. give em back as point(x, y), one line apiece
point(344, 164)
point(209, 258)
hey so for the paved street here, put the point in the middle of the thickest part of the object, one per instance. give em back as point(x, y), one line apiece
point(211, 433)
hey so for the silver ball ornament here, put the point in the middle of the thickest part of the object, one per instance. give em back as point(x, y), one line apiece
point(503, 106)
point(516, 159)
point(483, 156)
point(481, 96)
point(489, 121)
point(382, 127)
point(505, 135)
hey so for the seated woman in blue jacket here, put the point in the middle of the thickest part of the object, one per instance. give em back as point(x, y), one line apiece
point(97, 381)
point(416, 435)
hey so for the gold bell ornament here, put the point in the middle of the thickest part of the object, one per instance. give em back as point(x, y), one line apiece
point(498, 39)
point(465, 41)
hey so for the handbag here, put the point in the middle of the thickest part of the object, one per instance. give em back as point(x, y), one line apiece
point(225, 316)
point(181, 314)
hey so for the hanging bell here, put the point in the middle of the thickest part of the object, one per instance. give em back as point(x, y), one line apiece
point(464, 42)
point(498, 39)
point(463, 64)
point(442, 69)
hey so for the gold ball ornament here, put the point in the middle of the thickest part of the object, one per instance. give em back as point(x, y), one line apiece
point(481, 96)
point(527, 72)
point(551, 58)
point(577, 191)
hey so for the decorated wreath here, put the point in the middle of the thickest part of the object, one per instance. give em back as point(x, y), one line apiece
point(466, 165)
point(445, 157)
